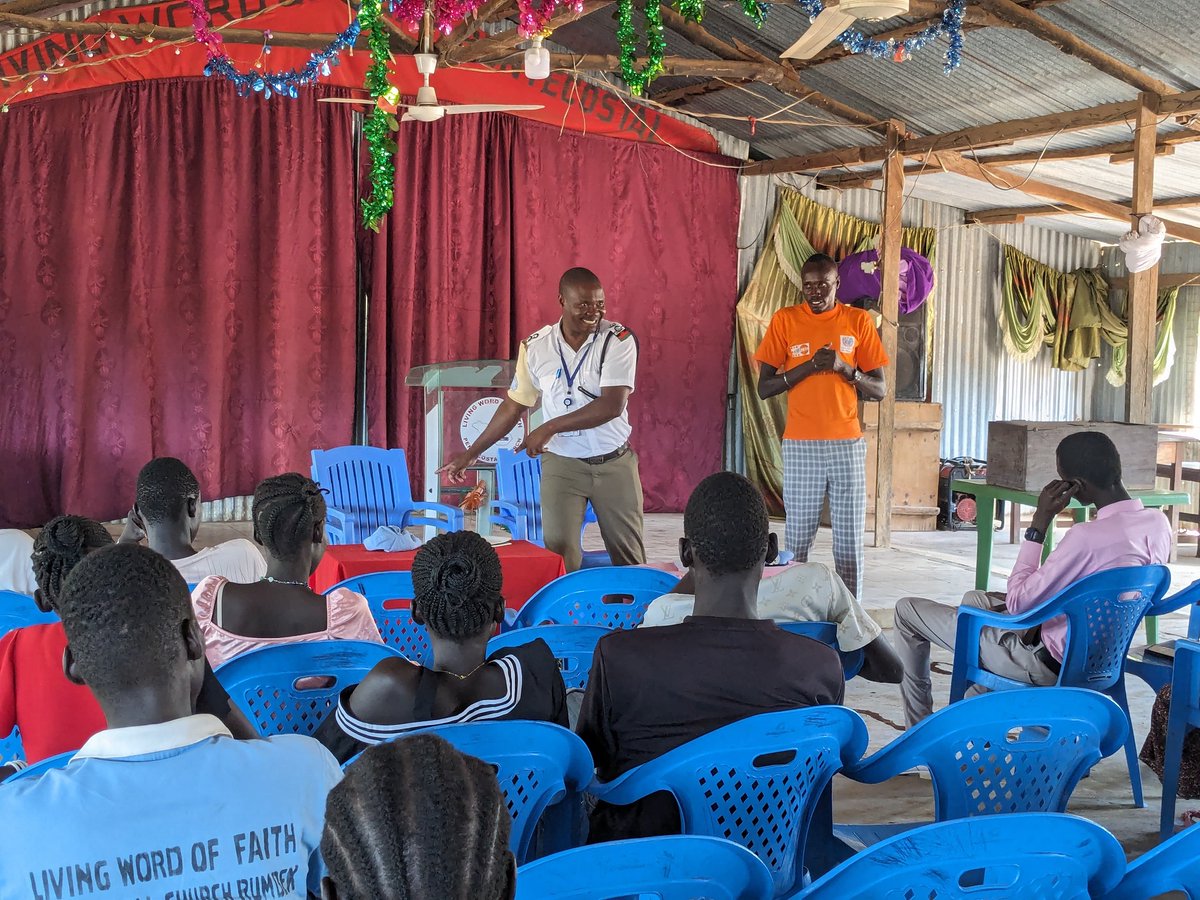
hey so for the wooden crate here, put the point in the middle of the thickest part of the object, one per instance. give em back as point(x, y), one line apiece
point(915, 467)
point(1021, 455)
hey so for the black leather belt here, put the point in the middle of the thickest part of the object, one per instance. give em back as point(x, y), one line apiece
point(607, 457)
point(1047, 659)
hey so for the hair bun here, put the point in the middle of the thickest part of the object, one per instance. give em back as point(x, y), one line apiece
point(457, 579)
point(65, 536)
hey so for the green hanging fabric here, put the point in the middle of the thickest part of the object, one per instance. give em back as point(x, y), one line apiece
point(791, 246)
point(1027, 319)
point(1164, 342)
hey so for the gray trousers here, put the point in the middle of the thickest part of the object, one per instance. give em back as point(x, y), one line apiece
point(615, 489)
point(920, 622)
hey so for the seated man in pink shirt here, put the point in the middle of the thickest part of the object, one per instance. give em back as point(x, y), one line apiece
point(1123, 533)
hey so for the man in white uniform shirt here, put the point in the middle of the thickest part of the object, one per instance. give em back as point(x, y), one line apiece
point(583, 368)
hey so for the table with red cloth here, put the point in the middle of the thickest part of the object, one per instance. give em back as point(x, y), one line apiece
point(527, 567)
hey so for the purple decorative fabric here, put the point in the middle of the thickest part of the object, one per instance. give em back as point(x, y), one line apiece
point(859, 276)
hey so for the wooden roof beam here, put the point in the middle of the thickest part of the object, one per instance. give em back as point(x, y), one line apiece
point(1118, 159)
point(1005, 214)
point(1165, 280)
point(499, 46)
point(490, 11)
point(1068, 43)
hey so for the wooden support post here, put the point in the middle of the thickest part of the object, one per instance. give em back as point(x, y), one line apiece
point(889, 306)
point(1143, 286)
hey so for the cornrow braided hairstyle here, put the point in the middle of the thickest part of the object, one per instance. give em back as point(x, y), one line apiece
point(416, 819)
point(164, 487)
point(457, 581)
point(58, 549)
point(286, 508)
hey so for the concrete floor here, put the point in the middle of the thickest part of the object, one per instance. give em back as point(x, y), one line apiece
point(941, 566)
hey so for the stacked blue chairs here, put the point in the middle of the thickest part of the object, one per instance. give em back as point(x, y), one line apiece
point(518, 504)
point(1171, 866)
point(756, 782)
point(681, 867)
point(292, 688)
point(613, 597)
point(542, 769)
point(572, 646)
point(369, 487)
point(45, 765)
point(1027, 856)
point(826, 633)
point(997, 754)
point(390, 595)
point(17, 611)
point(1103, 613)
point(1183, 715)
point(1156, 670)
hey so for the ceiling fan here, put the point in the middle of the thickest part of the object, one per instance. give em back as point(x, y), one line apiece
point(837, 16)
point(427, 108)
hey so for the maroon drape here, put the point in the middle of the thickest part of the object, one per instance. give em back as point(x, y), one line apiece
point(490, 210)
point(177, 277)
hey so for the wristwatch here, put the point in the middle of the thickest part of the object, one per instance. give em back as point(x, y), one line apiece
point(1032, 534)
point(857, 376)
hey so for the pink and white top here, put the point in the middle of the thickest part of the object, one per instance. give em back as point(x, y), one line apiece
point(1122, 534)
point(348, 618)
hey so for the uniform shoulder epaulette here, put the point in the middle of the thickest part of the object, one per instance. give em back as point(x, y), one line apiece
point(620, 331)
point(537, 334)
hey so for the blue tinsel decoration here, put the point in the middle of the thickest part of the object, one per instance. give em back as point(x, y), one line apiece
point(857, 42)
point(286, 83)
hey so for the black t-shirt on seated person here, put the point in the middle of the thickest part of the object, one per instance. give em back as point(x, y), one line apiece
point(654, 689)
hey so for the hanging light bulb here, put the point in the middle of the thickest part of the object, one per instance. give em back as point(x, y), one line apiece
point(537, 60)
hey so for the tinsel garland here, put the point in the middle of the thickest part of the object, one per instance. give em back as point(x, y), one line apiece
point(267, 83)
point(900, 50)
point(379, 125)
point(535, 16)
point(656, 45)
point(446, 13)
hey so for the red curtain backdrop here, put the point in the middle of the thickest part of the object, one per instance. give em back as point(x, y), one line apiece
point(490, 210)
point(177, 277)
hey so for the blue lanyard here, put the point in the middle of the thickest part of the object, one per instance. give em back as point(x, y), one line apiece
point(565, 371)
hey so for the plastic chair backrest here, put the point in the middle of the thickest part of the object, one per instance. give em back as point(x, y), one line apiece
point(1009, 751)
point(369, 483)
point(1027, 856)
point(1171, 866)
point(519, 481)
point(390, 595)
point(292, 688)
point(11, 747)
point(681, 867)
point(572, 645)
point(38, 768)
point(18, 610)
point(755, 782)
point(611, 597)
point(537, 764)
point(826, 633)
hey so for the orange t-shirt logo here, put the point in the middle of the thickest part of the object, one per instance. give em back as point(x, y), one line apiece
point(848, 343)
point(799, 350)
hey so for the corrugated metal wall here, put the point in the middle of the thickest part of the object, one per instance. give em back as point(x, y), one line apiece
point(973, 377)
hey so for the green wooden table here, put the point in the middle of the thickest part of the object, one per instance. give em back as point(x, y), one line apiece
point(986, 496)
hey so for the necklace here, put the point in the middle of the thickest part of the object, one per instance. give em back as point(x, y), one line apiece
point(462, 677)
point(281, 581)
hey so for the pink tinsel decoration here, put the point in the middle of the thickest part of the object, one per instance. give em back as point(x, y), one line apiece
point(535, 17)
point(202, 25)
point(446, 13)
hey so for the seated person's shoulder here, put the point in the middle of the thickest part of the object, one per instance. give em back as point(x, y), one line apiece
point(533, 654)
point(389, 679)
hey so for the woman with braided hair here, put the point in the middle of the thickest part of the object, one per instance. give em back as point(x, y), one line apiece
point(289, 525)
point(381, 841)
point(457, 582)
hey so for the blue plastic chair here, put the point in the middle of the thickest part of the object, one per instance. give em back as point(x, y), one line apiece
point(1156, 670)
point(369, 487)
point(390, 595)
point(1171, 866)
point(1027, 856)
point(755, 782)
point(1184, 714)
point(612, 597)
point(518, 504)
point(272, 685)
point(542, 770)
point(826, 633)
point(18, 610)
point(572, 645)
point(1103, 613)
point(50, 762)
point(1000, 753)
point(681, 867)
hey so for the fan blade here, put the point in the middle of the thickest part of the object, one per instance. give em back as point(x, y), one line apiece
point(828, 25)
point(462, 108)
point(367, 102)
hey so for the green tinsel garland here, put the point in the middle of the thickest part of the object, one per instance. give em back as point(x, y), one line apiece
point(379, 125)
point(656, 45)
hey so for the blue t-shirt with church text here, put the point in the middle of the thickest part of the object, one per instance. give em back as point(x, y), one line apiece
point(216, 820)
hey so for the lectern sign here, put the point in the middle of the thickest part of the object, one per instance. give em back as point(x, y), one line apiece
point(477, 417)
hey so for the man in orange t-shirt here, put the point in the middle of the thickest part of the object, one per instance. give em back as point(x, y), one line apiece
point(824, 355)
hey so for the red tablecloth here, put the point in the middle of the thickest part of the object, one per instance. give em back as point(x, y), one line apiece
point(526, 566)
